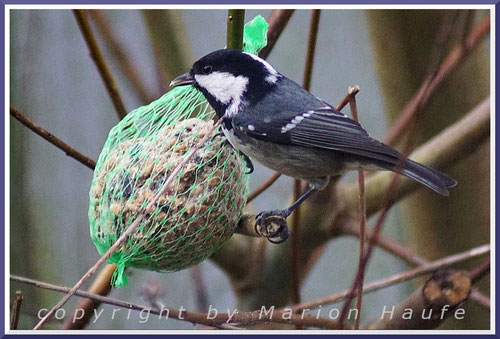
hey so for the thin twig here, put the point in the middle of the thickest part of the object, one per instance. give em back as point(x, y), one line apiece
point(311, 48)
point(129, 229)
point(481, 109)
point(242, 318)
point(16, 310)
point(362, 215)
point(403, 252)
point(263, 187)
point(429, 86)
point(70, 151)
point(278, 19)
point(235, 24)
point(480, 271)
point(362, 266)
point(120, 55)
point(447, 148)
point(96, 55)
point(84, 308)
point(400, 277)
point(297, 184)
point(295, 244)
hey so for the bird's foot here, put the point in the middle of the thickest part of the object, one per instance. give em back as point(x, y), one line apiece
point(272, 225)
point(248, 162)
point(222, 135)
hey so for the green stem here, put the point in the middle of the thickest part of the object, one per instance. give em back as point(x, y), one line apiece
point(235, 23)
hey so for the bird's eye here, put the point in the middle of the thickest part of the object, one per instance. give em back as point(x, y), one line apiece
point(207, 69)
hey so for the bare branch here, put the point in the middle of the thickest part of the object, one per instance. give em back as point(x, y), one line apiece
point(170, 43)
point(263, 187)
point(430, 85)
point(297, 184)
point(241, 318)
point(430, 267)
point(429, 305)
point(100, 286)
point(70, 151)
point(16, 310)
point(96, 55)
point(277, 22)
point(450, 146)
point(120, 55)
point(362, 216)
point(199, 288)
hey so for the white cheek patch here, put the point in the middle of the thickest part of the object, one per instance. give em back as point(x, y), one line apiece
point(273, 74)
point(223, 86)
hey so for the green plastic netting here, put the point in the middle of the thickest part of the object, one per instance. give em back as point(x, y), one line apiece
point(201, 207)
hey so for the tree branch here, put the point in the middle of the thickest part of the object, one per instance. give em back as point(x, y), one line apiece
point(241, 318)
point(100, 286)
point(235, 24)
point(429, 305)
point(430, 85)
point(170, 43)
point(70, 151)
point(450, 146)
point(120, 55)
point(16, 310)
point(96, 55)
point(277, 22)
point(398, 278)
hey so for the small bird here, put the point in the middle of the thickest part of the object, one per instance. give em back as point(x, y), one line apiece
point(272, 119)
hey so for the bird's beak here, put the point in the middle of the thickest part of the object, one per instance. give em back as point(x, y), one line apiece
point(182, 80)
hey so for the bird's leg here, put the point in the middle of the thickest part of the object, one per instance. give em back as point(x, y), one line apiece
point(272, 224)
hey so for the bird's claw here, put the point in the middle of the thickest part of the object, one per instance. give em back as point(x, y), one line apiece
point(272, 225)
point(248, 162)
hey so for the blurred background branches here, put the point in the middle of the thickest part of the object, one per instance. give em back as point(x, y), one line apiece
point(424, 73)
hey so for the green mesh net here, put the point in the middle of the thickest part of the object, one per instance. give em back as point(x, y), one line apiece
point(201, 207)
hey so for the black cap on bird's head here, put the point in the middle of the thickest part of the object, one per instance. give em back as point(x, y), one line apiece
point(229, 78)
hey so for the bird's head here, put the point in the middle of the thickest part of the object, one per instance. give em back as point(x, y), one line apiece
point(229, 79)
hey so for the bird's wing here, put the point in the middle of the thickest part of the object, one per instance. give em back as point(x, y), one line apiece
point(324, 128)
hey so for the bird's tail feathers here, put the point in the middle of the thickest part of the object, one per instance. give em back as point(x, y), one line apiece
point(430, 177)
